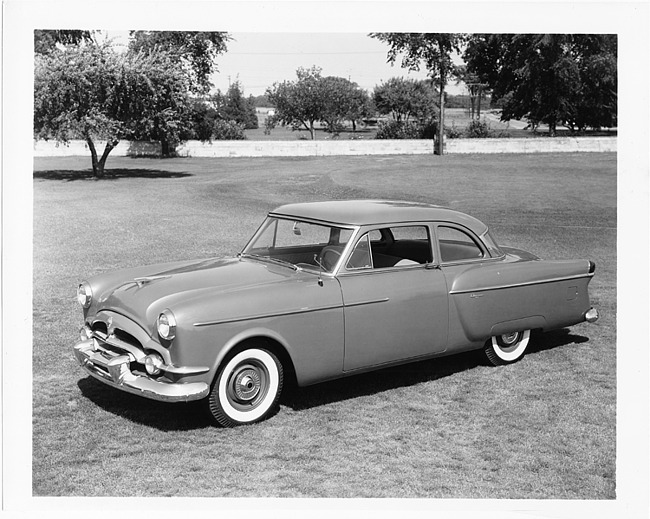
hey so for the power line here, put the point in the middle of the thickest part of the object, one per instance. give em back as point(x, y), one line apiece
point(347, 53)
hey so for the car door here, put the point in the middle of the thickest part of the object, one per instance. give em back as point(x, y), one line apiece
point(394, 297)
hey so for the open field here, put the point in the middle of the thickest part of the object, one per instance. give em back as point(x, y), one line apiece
point(453, 427)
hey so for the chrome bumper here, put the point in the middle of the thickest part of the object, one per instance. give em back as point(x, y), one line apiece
point(114, 370)
point(591, 315)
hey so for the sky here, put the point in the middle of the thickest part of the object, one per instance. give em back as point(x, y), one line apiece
point(259, 59)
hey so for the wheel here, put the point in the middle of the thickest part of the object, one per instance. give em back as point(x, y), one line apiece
point(507, 348)
point(247, 388)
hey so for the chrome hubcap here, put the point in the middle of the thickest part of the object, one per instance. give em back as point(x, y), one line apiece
point(509, 339)
point(247, 384)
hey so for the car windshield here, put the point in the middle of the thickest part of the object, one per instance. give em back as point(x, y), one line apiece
point(299, 244)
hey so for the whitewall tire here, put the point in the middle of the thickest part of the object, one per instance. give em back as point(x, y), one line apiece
point(507, 348)
point(247, 388)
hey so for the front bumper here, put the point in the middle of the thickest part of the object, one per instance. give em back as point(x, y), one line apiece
point(114, 369)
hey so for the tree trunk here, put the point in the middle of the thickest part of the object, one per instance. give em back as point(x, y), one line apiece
point(312, 131)
point(441, 125)
point(99, 164)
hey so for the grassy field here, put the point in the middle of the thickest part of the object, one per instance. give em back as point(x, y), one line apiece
point(454, 427)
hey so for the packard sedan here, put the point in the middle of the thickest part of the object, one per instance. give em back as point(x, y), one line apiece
point(322, 290)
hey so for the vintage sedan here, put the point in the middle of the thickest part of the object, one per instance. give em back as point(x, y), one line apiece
point(322, 290)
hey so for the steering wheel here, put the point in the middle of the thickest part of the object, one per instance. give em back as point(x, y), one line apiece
point(329, 257)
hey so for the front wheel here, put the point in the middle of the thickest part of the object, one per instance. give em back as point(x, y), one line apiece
point(507, 348)
point(247, 388)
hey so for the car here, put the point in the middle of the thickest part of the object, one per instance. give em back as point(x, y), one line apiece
point(322, 290)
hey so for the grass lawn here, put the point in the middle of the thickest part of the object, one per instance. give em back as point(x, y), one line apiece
point(453, 427)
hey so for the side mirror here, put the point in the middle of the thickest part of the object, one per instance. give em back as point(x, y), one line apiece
point(296, 229)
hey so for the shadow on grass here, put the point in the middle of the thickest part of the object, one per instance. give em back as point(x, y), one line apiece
point(161, 415)
point(110, 174)
point(194, 415)
point(411, 374)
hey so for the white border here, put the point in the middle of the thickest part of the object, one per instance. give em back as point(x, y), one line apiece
point(629, 20)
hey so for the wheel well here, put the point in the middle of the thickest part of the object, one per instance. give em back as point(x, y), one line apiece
point(274, 347)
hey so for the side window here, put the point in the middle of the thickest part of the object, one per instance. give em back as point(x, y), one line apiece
point(392, 247)
point(360, 257)
point(457, 245)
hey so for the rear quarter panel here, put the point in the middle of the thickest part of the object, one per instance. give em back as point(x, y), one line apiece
point(493, 298)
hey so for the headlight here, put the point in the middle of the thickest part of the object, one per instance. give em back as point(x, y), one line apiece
point(152, 363)
point(84, 294)
point(166, 325)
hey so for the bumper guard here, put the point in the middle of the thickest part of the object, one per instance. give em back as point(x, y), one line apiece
point(114, 369)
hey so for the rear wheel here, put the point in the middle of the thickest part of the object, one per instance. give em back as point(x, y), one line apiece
point(247, 388)
point(507, 348)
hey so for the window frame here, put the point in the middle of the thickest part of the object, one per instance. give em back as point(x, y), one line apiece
point(385, 229)
point(476, 239)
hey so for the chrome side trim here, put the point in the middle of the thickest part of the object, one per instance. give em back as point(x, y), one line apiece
point(370, 302)
point(267, 316)
point(515, 285)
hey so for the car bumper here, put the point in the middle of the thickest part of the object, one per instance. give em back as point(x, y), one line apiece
point(114, 370)
point(591, 315)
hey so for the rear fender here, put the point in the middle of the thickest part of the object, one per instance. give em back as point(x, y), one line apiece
point(498, 298)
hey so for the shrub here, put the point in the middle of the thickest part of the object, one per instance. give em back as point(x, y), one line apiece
point(453, 132)
point(478, 130)
point(228, 131)
point(398, 130)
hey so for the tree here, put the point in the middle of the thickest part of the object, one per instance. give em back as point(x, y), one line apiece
point(298, 103)
point(46, 41)
point(233, 106)
point(343, 100)
point(91, 92)
point(404, 99)
point(194, 50)
point(359, 107)
point(435, 51)
point(556, 79)
point(312, 98)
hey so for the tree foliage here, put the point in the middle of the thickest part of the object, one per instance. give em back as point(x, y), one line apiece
point(233, 106)
point(313, 98)
point(194, 50)
point(46, 41)
point(92, 92)
point(556, 79)
point(434, 50)
point(343, 101)
point(298, 103)
point(404, 99)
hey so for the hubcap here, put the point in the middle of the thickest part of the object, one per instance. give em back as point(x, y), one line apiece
point(509, 339)
point(247, 384)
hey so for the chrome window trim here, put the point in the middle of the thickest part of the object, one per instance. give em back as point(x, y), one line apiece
point(478, 241)
point(367, 229)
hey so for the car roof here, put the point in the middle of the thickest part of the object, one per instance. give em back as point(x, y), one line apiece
point(371, 212)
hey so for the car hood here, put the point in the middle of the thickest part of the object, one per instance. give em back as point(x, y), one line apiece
point(143, 293)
